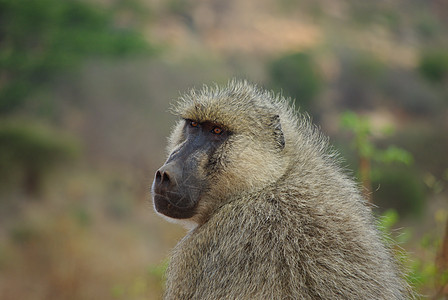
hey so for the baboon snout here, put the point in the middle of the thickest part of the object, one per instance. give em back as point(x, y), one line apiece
point(179, 184)
point(163, 179)
point(173, 194)
point(165, 183)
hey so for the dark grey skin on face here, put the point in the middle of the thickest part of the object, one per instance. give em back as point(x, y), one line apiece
point(177, 186)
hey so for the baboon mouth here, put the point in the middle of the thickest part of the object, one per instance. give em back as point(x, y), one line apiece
point(170, 207)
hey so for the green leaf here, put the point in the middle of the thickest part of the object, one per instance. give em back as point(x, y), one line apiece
point(388, 219)
point(395, 154)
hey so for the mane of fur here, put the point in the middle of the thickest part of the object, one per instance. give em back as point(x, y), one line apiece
point(308, 235)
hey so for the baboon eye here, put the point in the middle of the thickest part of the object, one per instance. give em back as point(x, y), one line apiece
point(194, 124)
point(217, 130)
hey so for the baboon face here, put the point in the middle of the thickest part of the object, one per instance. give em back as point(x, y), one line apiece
point(224, 145)
point(179, 184)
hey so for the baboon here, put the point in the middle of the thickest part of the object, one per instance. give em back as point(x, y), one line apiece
point(270, 213)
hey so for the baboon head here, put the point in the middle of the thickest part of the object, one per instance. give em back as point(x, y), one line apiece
point(229, 141)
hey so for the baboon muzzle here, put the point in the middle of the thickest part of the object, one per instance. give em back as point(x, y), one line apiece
point(176, 189)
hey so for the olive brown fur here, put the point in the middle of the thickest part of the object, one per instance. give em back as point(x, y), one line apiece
point(270, 213)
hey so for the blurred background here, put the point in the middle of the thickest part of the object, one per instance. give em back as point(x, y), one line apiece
point(85, 88)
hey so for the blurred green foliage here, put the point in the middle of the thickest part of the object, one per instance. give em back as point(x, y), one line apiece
point(399, 188)
point(387, 220)
point(82, 215)
point(425, 273)
point(38, 41)
point(433, 65)
point(29, 151)
point(40, 38)
point(298, 76)
point(422, 272)
point(396, 188)
point(158, 271)
point(363, 144)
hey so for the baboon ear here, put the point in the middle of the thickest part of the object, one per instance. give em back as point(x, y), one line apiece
point(278, 132)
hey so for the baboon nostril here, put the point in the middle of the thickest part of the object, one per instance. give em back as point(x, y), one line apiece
point(158, 177)
point(162, 178)
point(165, 178)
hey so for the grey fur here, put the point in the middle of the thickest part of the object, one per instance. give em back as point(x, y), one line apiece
point(281, 220)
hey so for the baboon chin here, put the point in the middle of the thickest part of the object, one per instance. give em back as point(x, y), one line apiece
point(271, 213)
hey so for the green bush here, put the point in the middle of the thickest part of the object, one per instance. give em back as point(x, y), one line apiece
point(399, 189)
point(40, 38)
point(433, 65)
point(28, 152)
point(298, 76)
